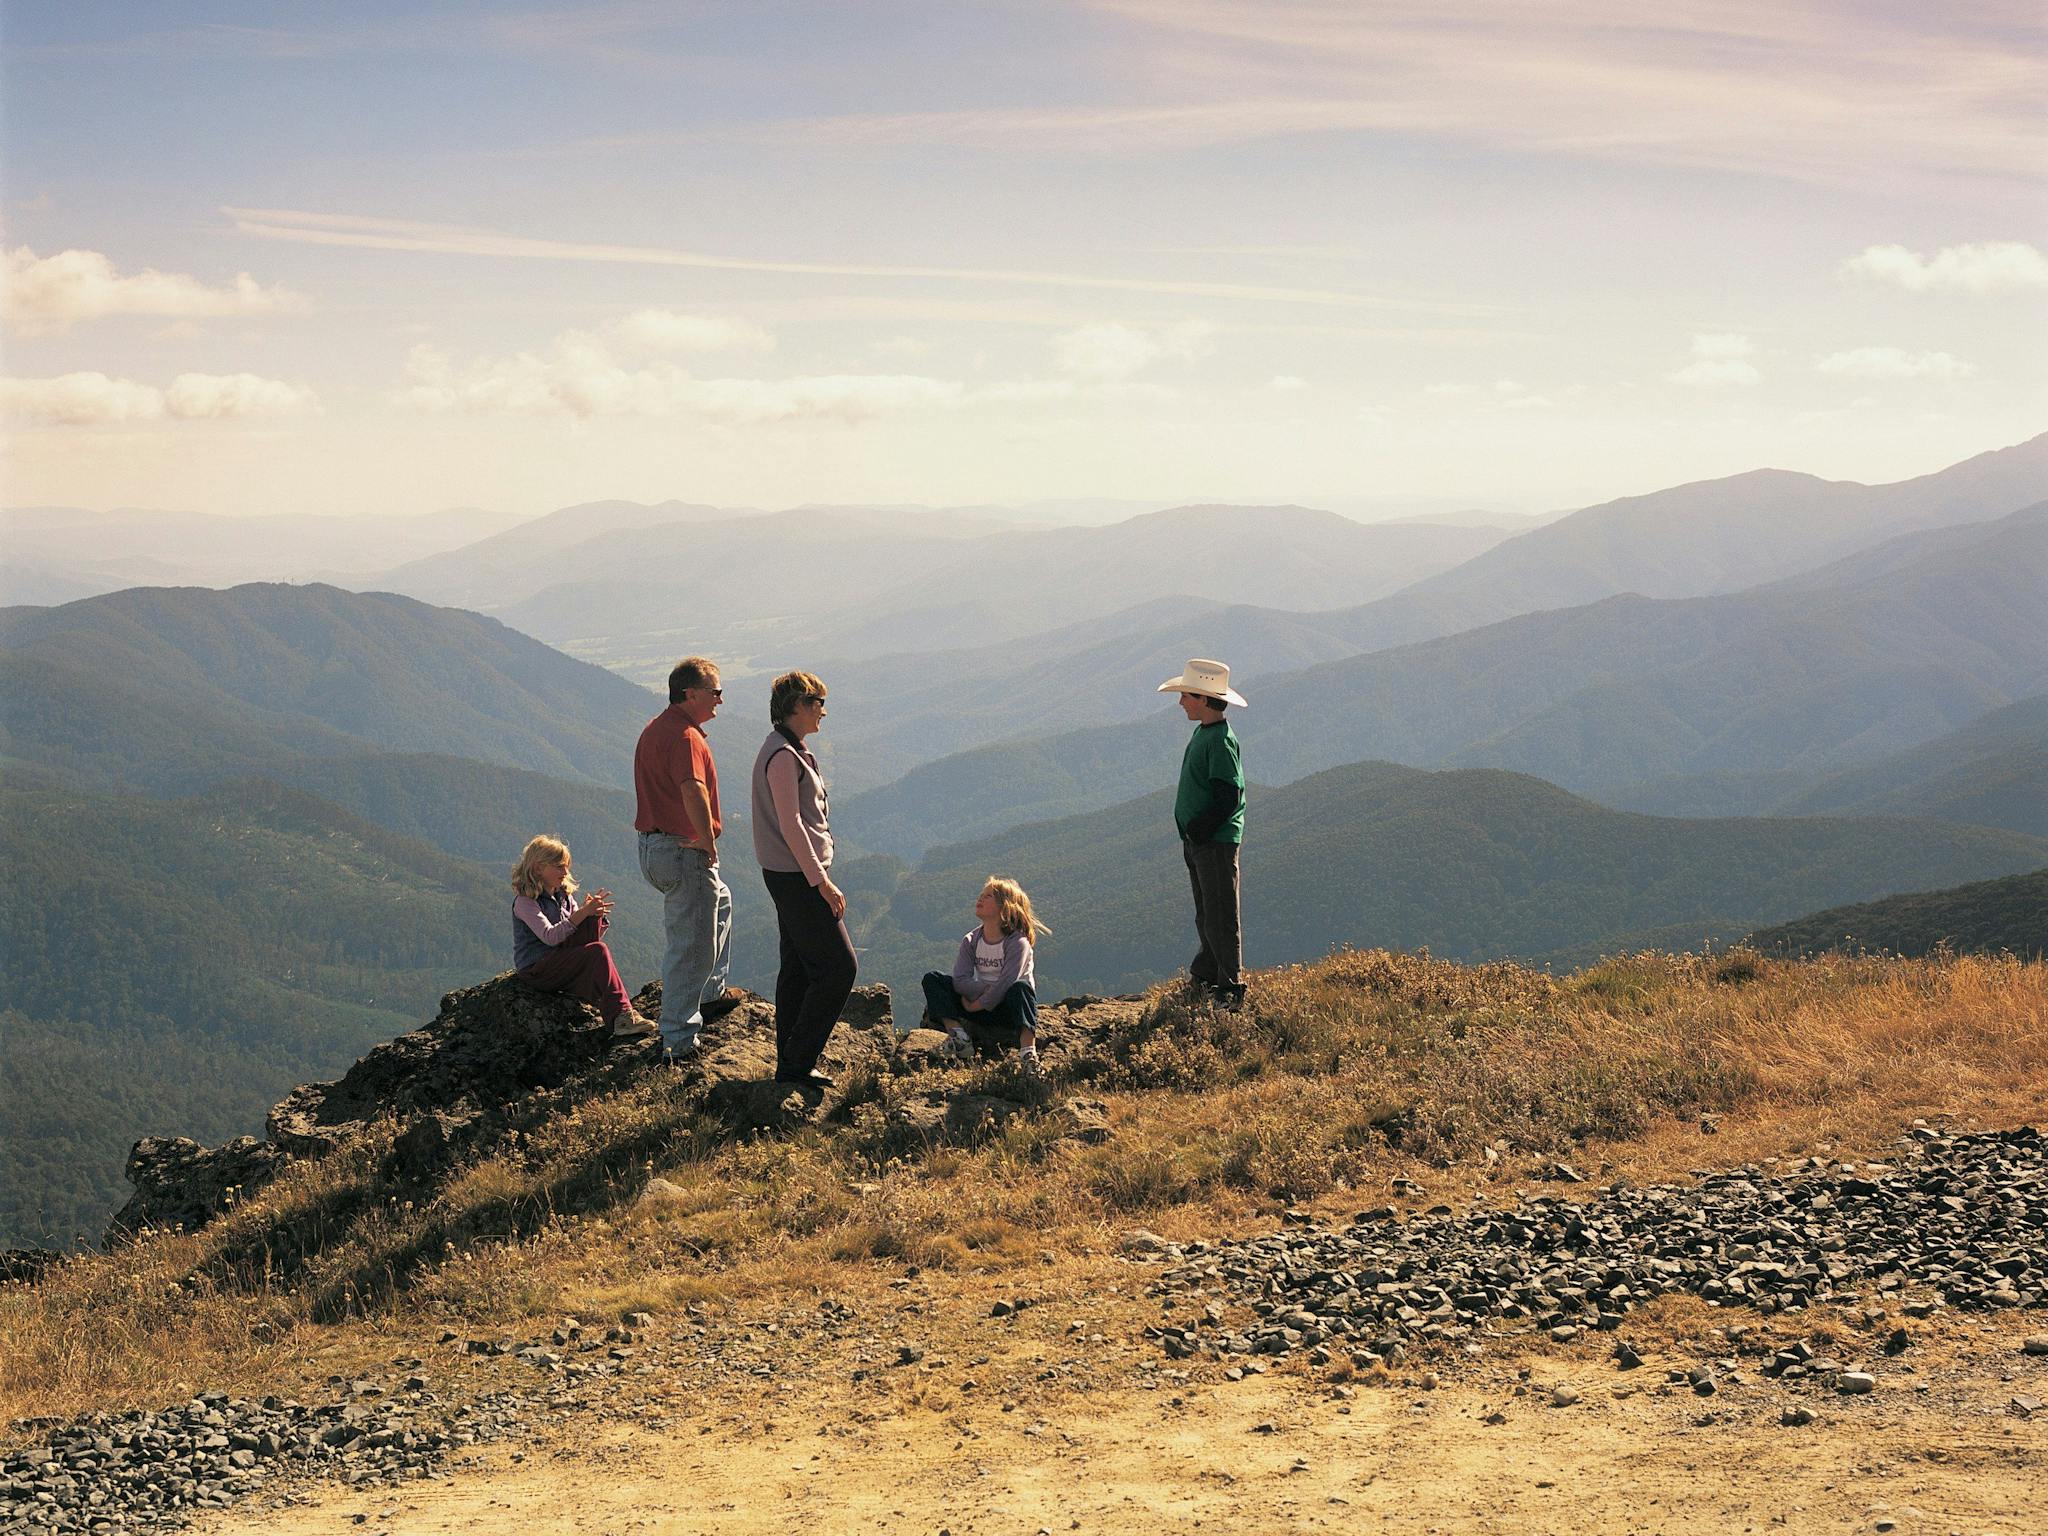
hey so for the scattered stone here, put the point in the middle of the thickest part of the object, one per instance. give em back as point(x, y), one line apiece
point(2037, 1345)
point(1855, 1383)
point(1564, 1396)
point(1797, 1414)
point(1964, 1217)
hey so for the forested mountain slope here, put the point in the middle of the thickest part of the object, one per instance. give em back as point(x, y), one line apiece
point(1469, 864)
point(1987, 917)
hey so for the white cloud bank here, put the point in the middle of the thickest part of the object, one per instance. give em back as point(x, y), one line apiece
point(668, 330)
point(95, 399)
point(1720, 359)
point(49, 294)
point(1995, 266)
point(1893, 363)
point(1116, 351)
point(584, 379)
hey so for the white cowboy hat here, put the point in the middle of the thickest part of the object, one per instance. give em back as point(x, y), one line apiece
point(1211, 679)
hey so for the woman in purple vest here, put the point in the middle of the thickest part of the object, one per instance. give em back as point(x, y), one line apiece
point(558, 941)
point(794, 844)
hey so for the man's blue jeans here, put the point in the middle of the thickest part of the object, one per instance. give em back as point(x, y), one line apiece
point(696, 912)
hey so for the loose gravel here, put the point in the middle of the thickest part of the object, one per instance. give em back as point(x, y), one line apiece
point(144, 1471)
point(1955, 1220)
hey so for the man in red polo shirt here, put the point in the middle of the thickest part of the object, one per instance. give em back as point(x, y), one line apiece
point(675, 783)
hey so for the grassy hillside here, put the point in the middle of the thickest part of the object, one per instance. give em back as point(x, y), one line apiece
point(1595, 698)
point(1343, 1076)
point(1472, 865)
point(1987, 917)
point(311, 669)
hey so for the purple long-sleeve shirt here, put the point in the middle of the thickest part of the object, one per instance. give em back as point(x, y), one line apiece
point(977, 981)
point(538, 926)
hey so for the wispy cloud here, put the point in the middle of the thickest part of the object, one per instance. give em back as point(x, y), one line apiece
point(582, 380)
point(1811, 89)
point(95, 399)
point(668, 330)
point(1719, 359)
point(1994, 266)
point(386, 234)
point(49, 294)
point(1116, 351)
point(1893, 363)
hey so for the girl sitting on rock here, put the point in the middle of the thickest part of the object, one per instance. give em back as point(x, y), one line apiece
point(557, 941)
point(990, 998)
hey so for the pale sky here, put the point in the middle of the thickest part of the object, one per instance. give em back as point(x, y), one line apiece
point(388, 258)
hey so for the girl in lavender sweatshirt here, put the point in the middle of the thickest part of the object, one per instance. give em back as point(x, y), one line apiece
point(557, 941)
point(991, 998)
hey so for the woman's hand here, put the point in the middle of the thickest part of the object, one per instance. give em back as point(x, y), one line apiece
point(973, 1004)
point(835, 899)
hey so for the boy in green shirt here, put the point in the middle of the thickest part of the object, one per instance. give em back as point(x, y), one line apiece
point(1208, 810)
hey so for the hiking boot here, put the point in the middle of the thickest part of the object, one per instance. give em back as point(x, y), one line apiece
point(675, 1053)
point(632, 1025)
point(1028, 1061)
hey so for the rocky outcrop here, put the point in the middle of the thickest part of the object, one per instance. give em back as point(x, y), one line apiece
point(499, 1059)
point(179, 1183)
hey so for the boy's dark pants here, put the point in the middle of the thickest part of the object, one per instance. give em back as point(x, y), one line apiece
point(1212, 871)
point(582, 967)
point(817, 972)
point(1001, 1025)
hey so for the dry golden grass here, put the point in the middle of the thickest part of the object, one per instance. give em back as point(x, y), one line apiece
point(1342, 1076)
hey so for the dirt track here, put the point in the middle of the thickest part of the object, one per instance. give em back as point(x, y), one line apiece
point(1627, 1458)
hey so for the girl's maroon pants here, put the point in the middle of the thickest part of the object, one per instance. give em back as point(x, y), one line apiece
point(582, 967)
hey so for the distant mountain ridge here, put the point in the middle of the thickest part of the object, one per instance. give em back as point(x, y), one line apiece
point(1643, 546)
point(1596, 698)
point(59, 554)
point(285, 670)
point(809, 586)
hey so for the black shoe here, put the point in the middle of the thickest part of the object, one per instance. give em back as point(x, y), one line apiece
point(804, 1080)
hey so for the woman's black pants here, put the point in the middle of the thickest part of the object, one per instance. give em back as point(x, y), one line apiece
point(818, 968)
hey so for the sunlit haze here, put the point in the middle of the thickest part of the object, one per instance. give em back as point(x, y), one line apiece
point(396, 257)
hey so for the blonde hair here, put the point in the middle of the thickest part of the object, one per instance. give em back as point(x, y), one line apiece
point(537, 856)
point(1013, 908)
